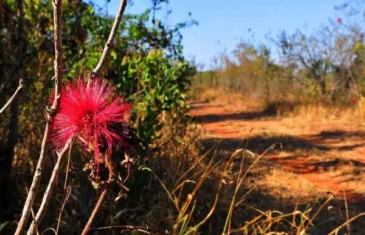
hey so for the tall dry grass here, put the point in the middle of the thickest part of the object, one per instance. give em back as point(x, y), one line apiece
point(185, 188)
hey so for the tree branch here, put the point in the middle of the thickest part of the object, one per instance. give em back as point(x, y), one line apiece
point(112, 34)
point(112, 175)
point(35, 184)
point(58, 53)
point(20, 86)
point(48, 193)
point(95, 211)
point(57, 81)
point(140, 229)
point(95, 73)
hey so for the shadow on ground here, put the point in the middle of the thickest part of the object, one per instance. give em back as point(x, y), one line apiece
point(209, 118)
point(307, 154)
point(258, 204)
point(323, 141)
point(272, 110)
point(330, 217)
point(297, 151)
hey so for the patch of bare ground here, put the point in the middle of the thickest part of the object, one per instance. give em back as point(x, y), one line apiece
point(319, 152)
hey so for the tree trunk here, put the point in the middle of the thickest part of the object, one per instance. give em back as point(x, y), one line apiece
point(322, 85)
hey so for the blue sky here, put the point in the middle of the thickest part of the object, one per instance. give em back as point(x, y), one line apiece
point(223, 23)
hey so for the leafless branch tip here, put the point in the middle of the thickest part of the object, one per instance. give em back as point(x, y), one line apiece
point(20, 86)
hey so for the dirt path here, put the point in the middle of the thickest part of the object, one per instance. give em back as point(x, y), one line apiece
point(328, 153)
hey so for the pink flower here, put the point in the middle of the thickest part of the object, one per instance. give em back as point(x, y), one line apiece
point(339, 20)
point(90, 113)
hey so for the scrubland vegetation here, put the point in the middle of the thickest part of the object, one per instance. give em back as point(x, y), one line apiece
point(269, 141)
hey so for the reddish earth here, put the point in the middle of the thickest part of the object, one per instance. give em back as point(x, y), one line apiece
point(329, 153)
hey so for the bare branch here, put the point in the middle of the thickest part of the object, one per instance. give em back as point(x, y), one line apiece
point(57, 81)
point(140, 229)
point(48, 193)
point(20, 86)
point(35, 184)
point(113, 176)
point(112, 34)
point(58, 52)
point(66, 191)
point(95, 211)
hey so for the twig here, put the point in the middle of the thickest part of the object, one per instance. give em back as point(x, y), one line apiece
point(112, 34)
point(347, 212)
point(66, 191)
point(32, 211)
point(57, 81)
point(49, 229)
point(58, 52)
point(20, 86)
point(126, 227)
point(35, 184)
point(112, 176)
point(95, 73)
point(67, 196)
point(335, 231)
point(48, 193)
point(95, 211)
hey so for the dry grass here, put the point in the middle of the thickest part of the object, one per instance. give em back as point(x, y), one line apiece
point(218, 182)
point(320, 142)
point(288, 186)
point(225, 96)
point(189, 190)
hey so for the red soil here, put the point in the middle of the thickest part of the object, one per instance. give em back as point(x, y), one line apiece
point(329, 154)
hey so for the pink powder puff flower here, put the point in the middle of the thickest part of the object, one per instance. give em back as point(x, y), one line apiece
point(90, 112)
point(339, 20)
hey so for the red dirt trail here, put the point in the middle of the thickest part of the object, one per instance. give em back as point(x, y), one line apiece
point(328, 153)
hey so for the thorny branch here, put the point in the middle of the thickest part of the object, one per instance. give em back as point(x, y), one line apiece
point(111, 37)
point(20, 86)
point(57, 81)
